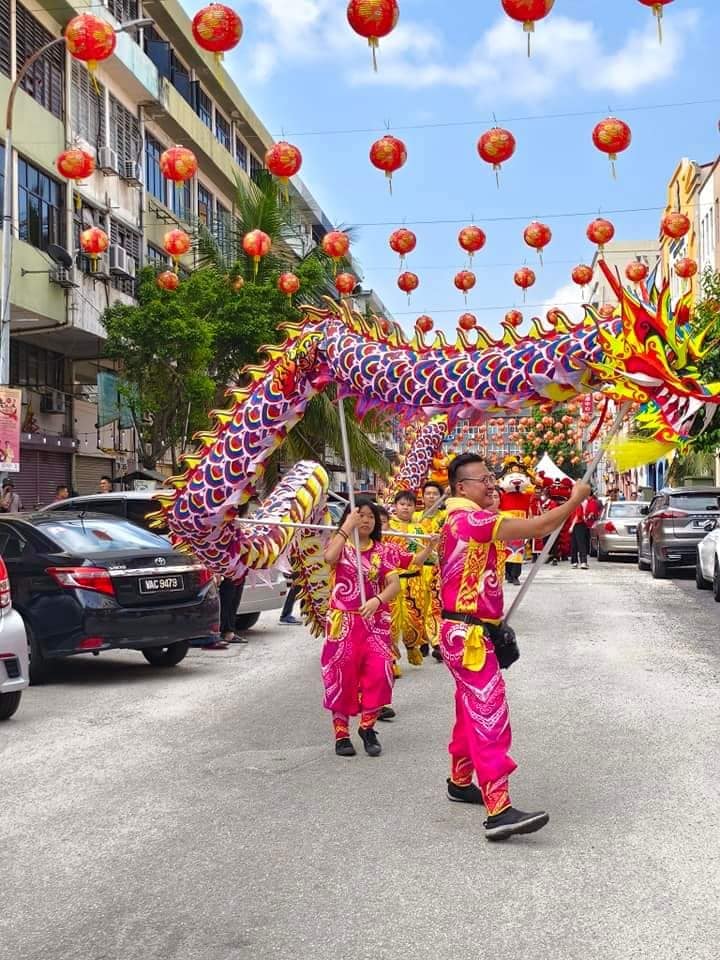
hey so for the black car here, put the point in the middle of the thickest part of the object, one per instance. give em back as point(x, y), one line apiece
point(86, 582)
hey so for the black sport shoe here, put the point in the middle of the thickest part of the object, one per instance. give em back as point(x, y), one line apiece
point(511, 821)
point(437, 655)
point(371, 742)
point(468, 794)
point(424, 649)
point(344, 747)
point(386, 714)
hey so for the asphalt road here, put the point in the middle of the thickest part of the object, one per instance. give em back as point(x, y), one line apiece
point(200, 813)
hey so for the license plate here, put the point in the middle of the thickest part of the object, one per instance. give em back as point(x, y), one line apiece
point(166, 584)
point(701, 522)
point(632, 529)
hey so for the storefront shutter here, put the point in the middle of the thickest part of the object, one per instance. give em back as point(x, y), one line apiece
point(88, 471)
point(41, 472)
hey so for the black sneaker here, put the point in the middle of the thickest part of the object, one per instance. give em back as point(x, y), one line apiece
point(468, 794)
point(344, 747)
point(371, 742)
point(424, 649)
point(437, 654)
point(511, 821)
point(386, 714)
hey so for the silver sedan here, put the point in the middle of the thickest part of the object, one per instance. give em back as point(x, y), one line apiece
point(616, 530)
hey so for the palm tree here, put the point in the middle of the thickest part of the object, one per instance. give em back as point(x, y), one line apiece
point(258, 206)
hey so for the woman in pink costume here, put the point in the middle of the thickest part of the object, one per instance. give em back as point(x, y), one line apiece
point(472, 556)
point(357, 655)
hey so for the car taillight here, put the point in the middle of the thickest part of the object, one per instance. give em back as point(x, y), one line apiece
point(671, 514)
point(204, 576)
point(610, 527)
point(83, 578)
point(5, 595)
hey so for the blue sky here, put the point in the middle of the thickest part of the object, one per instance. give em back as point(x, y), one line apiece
point(305, 72)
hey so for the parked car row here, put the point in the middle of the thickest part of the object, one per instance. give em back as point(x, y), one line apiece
point(674, 524)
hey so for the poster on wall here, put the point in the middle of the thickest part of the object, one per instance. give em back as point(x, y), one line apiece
point(10, 411)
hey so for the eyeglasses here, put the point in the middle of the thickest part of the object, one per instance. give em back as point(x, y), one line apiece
point(487, 479)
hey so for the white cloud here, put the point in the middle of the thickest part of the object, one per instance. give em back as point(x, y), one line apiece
point(416, 56)
point(568, 299)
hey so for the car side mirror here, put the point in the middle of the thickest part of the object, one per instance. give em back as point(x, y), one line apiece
point(644, 511)
point(710, 526)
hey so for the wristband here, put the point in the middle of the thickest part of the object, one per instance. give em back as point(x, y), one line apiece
point(343, 535)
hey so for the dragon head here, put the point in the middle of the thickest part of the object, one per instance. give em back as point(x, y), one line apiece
point(651, 357)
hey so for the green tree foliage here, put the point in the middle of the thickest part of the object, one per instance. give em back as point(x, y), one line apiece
point(555, 438)
point(707, 315)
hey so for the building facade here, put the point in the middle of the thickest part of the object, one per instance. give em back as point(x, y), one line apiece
point(156, 90)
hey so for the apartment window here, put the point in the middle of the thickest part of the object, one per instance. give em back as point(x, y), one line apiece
point(158, 50)
point(41, 203)
point(5, 37)
point(182, 201)
point(85, 216)
point(203, 106)
point(222, 229)
point(205, 206)
point(222, 130)
point(87, 115)
point(241, 153)
point(32, 366)
point(155, 257)
point(129, 240)
point(180, 78)
point(123, 10)
point(45, 81)
point(155, 182)
point(255, 166)
point(124, 132)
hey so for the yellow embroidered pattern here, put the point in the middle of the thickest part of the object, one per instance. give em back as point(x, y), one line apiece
point(476, 561)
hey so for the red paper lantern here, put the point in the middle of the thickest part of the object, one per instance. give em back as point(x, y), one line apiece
point(283, 160)
point(495, 146)
point(612, 136)
point(657, 9)
point(582, 275)
point(538, 235)
point(525, 278)
point(514, 317)
point(675, 225)
point(335, 245)
point(256, 244)
point(465, 280)
point(345, 283)
point(408, 282)
point(606, 311)
point(90, 39)
point(467, 321)
point(75, 164)
point(686, 268)
point(471, 239)
point(527, 12)
point(288, 284)
point(600, 231)
point(424, 323)
point(388, 154)
point(217, 29)
point(373, 19)
point(636, 271)
point(176, 243)
point(553, 316)
point(168, 280)
point(178, 164)
point(403, 242)
point(94, 242)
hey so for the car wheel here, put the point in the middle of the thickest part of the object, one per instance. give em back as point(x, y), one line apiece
point(40, 668)
point(168, 656)
point(244, 621)
point(700, 581)
point(593, 548)
point(716, 582)
point(642, 564)
point(602, 555)
point(657, 566)
point(9, 702)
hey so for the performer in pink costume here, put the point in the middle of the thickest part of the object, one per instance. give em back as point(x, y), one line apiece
point(357, 655)
point(471, 561)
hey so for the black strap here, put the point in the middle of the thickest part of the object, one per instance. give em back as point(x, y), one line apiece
point(466, 618)
point(408, 576)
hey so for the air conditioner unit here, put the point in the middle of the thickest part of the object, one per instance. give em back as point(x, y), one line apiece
point(108, 161)
point(102, 269)
point(131, 171)
point(63, 278)
point(52, 402)
point(121, 263)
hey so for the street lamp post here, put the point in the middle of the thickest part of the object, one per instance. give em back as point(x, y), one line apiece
point(9, 193)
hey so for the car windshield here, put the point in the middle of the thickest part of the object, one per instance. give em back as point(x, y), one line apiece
point(695, 502)
point(625, 509)
point(93, 535)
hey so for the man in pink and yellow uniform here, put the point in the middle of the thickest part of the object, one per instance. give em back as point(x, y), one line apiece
point(472, 638)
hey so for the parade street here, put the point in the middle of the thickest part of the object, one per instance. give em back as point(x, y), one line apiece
point(201, 814)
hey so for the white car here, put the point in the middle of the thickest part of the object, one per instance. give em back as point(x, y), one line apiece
point(707, 568)
point(14, 666)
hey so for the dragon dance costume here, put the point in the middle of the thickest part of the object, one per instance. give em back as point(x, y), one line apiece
point(357, 654)
point(407, 622)
point(471, 588)
point(430, 605)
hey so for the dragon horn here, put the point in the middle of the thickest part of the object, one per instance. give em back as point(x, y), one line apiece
point(612, 278)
